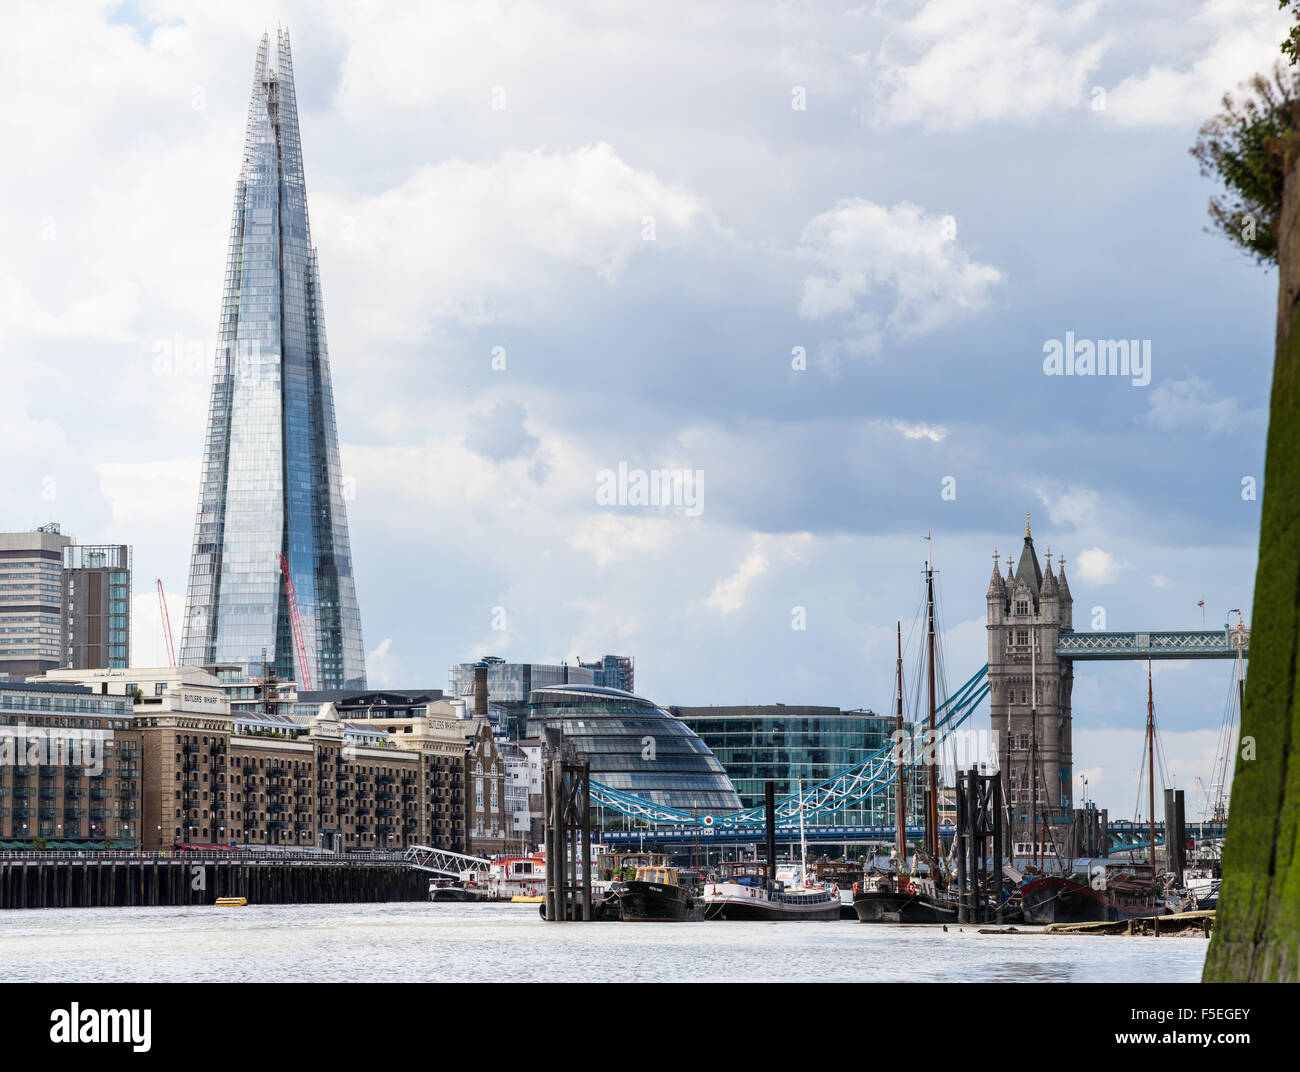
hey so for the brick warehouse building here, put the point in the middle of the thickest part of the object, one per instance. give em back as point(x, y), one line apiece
point(193, 773)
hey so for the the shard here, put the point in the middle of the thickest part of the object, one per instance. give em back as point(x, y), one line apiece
point(271, 490)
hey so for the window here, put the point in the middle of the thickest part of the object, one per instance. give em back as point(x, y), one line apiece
point(1022, 606)
point(1022, 636)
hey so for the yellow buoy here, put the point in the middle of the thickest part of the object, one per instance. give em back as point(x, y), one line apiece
point(231, 902)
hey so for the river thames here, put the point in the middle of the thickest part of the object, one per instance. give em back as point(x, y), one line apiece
point(510, 943)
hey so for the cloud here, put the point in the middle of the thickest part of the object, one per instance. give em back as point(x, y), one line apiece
point(728, 595)
point(1234, 40)
point(480, 242)
point(609, 538)
point(1000, 60)
point(892, 271)
point(1076, 506)
point(1193, 405)
point(1097, 566)
point(933, 432)
point(499, 433)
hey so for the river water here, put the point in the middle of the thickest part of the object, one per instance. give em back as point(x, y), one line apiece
point(445, 942)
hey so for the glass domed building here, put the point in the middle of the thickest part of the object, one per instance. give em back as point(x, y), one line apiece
point(635, 746)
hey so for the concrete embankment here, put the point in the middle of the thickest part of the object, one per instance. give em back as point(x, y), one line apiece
point(99, 883)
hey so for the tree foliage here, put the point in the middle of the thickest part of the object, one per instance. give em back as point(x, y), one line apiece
point(1245, 147)
point(1291, 46)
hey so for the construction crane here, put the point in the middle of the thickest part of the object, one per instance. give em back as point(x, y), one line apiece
point(166, 623)
point(304, 671)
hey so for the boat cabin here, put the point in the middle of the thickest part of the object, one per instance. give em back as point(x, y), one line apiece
point(744, 873)
point(660, 876)
point(614, 865)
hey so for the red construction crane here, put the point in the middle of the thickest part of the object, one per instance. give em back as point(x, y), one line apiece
point(167, 624)
point(304, 671)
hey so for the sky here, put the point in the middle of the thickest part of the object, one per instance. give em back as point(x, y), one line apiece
point(812, 255)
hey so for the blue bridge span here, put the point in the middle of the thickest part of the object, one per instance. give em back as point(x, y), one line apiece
point(875, 775)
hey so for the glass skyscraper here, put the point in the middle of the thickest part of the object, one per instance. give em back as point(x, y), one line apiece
point(271, 484)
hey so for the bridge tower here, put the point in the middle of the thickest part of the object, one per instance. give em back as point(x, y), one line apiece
point(1028, 684)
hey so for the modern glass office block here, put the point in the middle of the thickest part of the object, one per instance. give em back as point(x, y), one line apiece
point(636, 746)
point(271, 483)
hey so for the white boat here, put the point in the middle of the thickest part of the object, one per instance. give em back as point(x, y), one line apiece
point(742, 891)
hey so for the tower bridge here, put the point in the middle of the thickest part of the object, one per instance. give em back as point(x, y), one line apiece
point(1028, 681)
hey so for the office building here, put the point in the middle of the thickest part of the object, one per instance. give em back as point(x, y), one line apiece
point(96, 606)
point(635, 746)
point(62, 604)
point(795, 745)
point(31, 601)
point(70, 767)
point(613, 672)
point(199, 775)
point(271, 486)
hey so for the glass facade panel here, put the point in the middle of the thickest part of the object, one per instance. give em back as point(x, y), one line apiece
point(271, 482)
point(635, 746)
point(790, 745)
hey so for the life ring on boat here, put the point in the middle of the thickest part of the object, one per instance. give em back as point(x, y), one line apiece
point(911, 887)
point(855, 889)
point(836, 890)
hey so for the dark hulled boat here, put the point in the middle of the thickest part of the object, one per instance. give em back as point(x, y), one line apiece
point(898, 898)
point(1057, 899)
point(657, 895)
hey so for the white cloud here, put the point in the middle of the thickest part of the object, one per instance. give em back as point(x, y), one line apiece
point(889, 270)
point(480, 242)
point(1076, 506)
point(995, 60)
point(729, 594)
point(150, 493)
point(1192, 404)
point(1234, 39)
point(609, 538)
point(1097, 566)
point(933, 432)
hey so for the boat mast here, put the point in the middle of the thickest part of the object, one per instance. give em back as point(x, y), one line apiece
point(1151, 770)
point(803, 842)
point(900, 789)
point(932, 752)
point(1034, 818)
